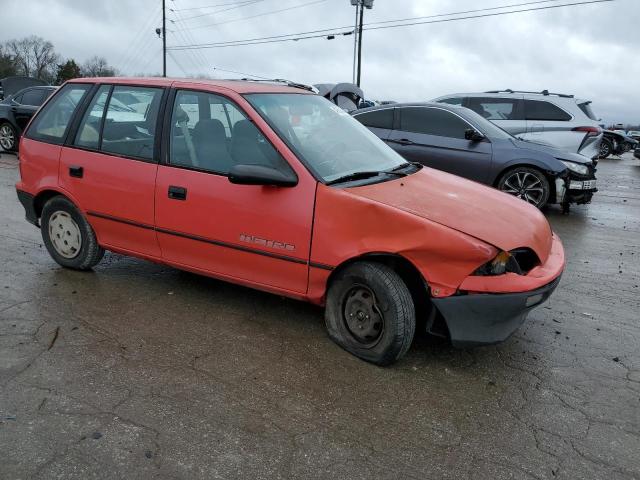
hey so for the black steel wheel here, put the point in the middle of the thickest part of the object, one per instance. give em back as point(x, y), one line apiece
point(370, 312)
point(526, 183)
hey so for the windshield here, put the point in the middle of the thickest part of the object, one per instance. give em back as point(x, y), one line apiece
point(325, 137)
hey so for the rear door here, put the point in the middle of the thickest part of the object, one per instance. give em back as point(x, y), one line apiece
point(548, 123)
point(109, 166)
point(252, 234)
point(435, 137)
point(505, 112)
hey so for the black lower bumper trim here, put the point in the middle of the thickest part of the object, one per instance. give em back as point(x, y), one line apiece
point(26, 199)
point(485, 319)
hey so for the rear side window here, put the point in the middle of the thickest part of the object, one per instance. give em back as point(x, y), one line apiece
point(377, 118)
point(539, 110)
point(432, 121)
point(130, 122)
point(33, 98)
point(495, 108)
point(51, 124)
point(452, 101)
point(587, 110)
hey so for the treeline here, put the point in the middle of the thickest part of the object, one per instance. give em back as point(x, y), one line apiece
point(36, 57)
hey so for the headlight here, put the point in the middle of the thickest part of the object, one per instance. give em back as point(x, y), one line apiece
point(502, 263)
point(576, 167)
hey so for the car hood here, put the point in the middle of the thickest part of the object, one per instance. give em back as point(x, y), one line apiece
point(551, 150)
point(482, 212)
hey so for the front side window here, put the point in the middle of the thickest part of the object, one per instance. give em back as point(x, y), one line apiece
point(88, 134)
point(495, 108)
point(432, 121)
point(130, 122)
point(33, 98)
point(539, 110)
point(327, 139)
point(377, 118)
point(51, 124)
point(209, 132)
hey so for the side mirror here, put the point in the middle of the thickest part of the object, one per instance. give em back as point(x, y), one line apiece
point(261, 175)
point(473, 135)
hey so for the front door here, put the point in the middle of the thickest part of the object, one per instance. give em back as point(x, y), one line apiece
point(246, 233)
point(110, 167)
point(435, 137)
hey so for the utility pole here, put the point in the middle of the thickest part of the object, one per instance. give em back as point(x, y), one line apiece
point(359, 4)
point(355, 40)
point(164, 40)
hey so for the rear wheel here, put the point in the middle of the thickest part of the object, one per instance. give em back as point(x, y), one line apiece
point(370, 313)
point(68, 236)
point(605, 148)
point(8, 137)
point(526, 183)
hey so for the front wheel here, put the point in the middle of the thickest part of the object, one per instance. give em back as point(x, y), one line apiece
point(526, 183)
point(68, 236)
point(606, 148)
point(370, 313)
point(8, 137)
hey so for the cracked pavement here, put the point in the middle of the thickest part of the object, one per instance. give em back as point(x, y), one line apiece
point(137, 370)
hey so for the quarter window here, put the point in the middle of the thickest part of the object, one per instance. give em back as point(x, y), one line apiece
point(539, 110)
point(130, 122)
point(432, 121)
point(51, 124)
point(452, 101)
point(210, 133)
point(495, 108)
point(377, 118)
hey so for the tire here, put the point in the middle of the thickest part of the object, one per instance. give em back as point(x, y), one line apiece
point(606, 148)
point(69, 238)
point(365, 294)
point(529, 184)
point(8, 137)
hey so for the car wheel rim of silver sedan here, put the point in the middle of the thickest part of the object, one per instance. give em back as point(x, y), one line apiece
point(7, 139)
point(65, 235)
point(526, 186)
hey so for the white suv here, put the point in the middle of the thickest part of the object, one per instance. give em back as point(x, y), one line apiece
point(551, 118)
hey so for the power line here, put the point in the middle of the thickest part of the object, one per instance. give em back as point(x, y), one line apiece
point(245, 4)
point(259, 14)
point(241, 73)
point(209, 6)
point(371, 26)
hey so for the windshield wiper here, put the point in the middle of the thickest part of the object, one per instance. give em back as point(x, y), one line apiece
point(367, 174)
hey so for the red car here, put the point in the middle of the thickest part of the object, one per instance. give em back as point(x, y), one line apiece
point(270, 186)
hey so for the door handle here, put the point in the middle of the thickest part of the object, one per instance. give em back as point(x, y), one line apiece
point(404, 141)
point(76, 171)
point(177, 193)
point(14, 109)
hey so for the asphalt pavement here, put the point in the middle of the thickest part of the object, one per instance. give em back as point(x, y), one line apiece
point(140, 371)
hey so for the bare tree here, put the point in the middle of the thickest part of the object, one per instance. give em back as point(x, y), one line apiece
point(34, 57)
point(98, 67)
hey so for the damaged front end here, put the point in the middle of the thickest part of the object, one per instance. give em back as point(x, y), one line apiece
point(577, 186)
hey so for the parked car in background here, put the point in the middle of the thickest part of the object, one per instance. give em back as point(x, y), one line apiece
point(11, 85)
point(636, 152)
point(347, 96)
point(556, 119)
point(614, 142)
point(635, 134)
point(16, 111)
point(459, 141)
point(241, 197)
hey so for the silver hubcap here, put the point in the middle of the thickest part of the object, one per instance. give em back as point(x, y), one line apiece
point(7, 139)
point(526, 186)
point(64, 234)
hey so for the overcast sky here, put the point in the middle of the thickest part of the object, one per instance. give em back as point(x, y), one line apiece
point(592, 51)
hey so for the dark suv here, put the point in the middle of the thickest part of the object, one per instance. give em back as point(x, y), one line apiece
point(459, 141)
point(17, 110)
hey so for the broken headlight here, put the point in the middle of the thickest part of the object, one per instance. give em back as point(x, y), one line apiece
point(519, 261)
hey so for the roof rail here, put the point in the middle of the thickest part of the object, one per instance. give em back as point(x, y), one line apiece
point(543, 92)
point(288, 83)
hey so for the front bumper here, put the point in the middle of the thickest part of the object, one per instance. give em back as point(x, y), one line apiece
point(485, 319)
point(579, 189)
point(488, 309)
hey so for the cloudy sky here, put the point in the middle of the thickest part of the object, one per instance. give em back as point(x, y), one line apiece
point(588, 50)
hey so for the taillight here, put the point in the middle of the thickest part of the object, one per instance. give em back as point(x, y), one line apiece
point(590, 131)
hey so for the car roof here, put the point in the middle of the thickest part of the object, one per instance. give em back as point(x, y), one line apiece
point(238, 86)
point(446, 106)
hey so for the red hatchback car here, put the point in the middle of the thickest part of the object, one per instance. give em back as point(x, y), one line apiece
point(270, 186)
